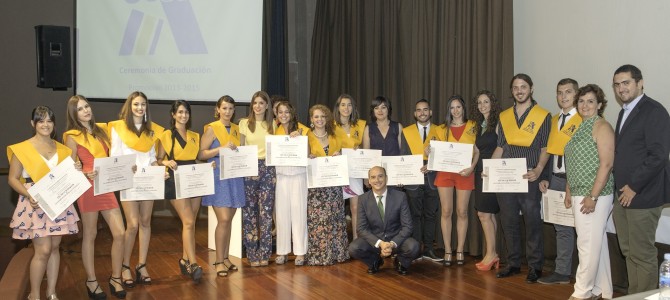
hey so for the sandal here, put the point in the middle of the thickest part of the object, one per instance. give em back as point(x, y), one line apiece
point(92, 294)
point(121, 294)
point(229, 265)
point(300, 260)
point(127, 283)
point(195, 271)
point(183, 263)
point(224, 272)
point(280, 259)
point(460, 258)
point(139, 278)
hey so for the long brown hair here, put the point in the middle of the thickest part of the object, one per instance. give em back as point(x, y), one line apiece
point(126, 114)
point(494, 114)
point(330, 126)
point(268, 115)
point(353, 118)
point(293, 121)
point(74, 123)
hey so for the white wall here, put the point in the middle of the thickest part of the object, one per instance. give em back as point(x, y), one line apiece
point(588, 40)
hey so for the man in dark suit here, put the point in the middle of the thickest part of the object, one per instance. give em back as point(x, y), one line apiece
point(384, 226)
point(640, 157)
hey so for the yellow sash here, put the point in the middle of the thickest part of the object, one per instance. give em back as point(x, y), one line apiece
point(32, 160)
point(525, 135)
point(316, 149)
point(222, 134)
point(302, 128)
point(355, 137)
point(190, 152)
point(413, 137)
point(88, 141)
point(142, 143)
point(558, 139)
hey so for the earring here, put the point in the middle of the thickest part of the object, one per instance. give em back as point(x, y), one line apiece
point(145, 117)
point(311, 125)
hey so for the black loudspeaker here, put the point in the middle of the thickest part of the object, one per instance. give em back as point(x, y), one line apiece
point(54, 63)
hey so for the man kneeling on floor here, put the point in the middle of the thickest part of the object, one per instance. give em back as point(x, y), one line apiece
point(384, 226)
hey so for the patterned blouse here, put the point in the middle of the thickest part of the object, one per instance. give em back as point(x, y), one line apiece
point(582, 161)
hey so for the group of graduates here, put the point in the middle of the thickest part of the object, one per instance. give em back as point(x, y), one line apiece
point(575, 157)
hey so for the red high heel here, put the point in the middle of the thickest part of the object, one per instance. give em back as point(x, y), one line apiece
point(486, 267)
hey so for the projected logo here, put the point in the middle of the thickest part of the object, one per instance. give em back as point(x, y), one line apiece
point(143, 31)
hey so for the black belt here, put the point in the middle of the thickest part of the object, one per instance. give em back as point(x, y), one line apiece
point(560, 175)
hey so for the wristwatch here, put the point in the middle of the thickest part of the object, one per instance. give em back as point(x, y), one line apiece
point(595, 199)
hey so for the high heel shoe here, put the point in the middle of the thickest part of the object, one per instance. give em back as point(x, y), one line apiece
point(92, 294)
point(224, 272)
point(127, 283)
point(229, 264)
point(460, 258)
point(447, 260)
point(486, 267)
point(52, 297)
point(183, 263)
point(195, 271)
point(139, 278)
point(112, 289)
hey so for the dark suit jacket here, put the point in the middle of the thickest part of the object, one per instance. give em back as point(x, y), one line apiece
point(641, 153)
point(397, 225)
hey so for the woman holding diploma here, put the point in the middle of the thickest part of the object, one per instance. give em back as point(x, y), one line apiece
point(29, 161)
point(135, 134)
point(456, 129)
point(228, 193)
point(291, 194)
point(89, 141)
point(349, 131)
point(180, 146)
point(485, 111)
point(589, 156)
point(259, 190)
point(326, 222)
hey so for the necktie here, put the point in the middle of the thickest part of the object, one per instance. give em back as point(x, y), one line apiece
point(560, 158)
point(425, 134)
point(380, 205)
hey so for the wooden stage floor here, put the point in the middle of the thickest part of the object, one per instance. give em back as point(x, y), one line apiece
point(426, 280)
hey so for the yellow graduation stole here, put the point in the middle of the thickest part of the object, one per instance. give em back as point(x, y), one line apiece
point(32, 160)
point(190, 152)
point(316, 149)
point(355, 138)
point(142, 143)
point(413, 137)
point(559, 138)
point(525, 135)
point(222, 134)
point(302, 128)
point(88, 141)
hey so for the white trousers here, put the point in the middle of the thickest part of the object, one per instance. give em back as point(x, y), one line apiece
point(291, 213)
point(594, 275)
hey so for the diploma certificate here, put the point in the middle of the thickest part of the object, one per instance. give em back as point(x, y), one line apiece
point(554, 211)
point(148, 184)
point(241, 162)
point(61, 187)
point(361, 160)
point(194, 180)
point(114, 173)
point(504, 175)
point(283, 150)
point(449, 157)
point(404, 169)
point(327, 171)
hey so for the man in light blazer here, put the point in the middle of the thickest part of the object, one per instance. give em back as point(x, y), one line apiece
point(384, 226)
point(641, 152)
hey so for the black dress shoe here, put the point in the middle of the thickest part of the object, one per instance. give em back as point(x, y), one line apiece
point(401, 270)
point(509, 271)
point(375, 266)
point(533, 275)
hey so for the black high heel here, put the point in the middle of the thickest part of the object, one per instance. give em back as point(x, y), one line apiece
point(224, 272)
point(112, 289)
point(183, 266)
point(139, 278)
point(195, 271)
point(93, 294)
point(127, 283)
point(460, 258)
point(231, 267)
point(447, 260)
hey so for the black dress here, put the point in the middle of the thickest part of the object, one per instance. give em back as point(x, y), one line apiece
point(485, 202)
point(389, 145)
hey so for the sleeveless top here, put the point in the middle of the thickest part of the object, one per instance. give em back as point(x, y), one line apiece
point(390, 145)
point(486, 142)
point(582, 161)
